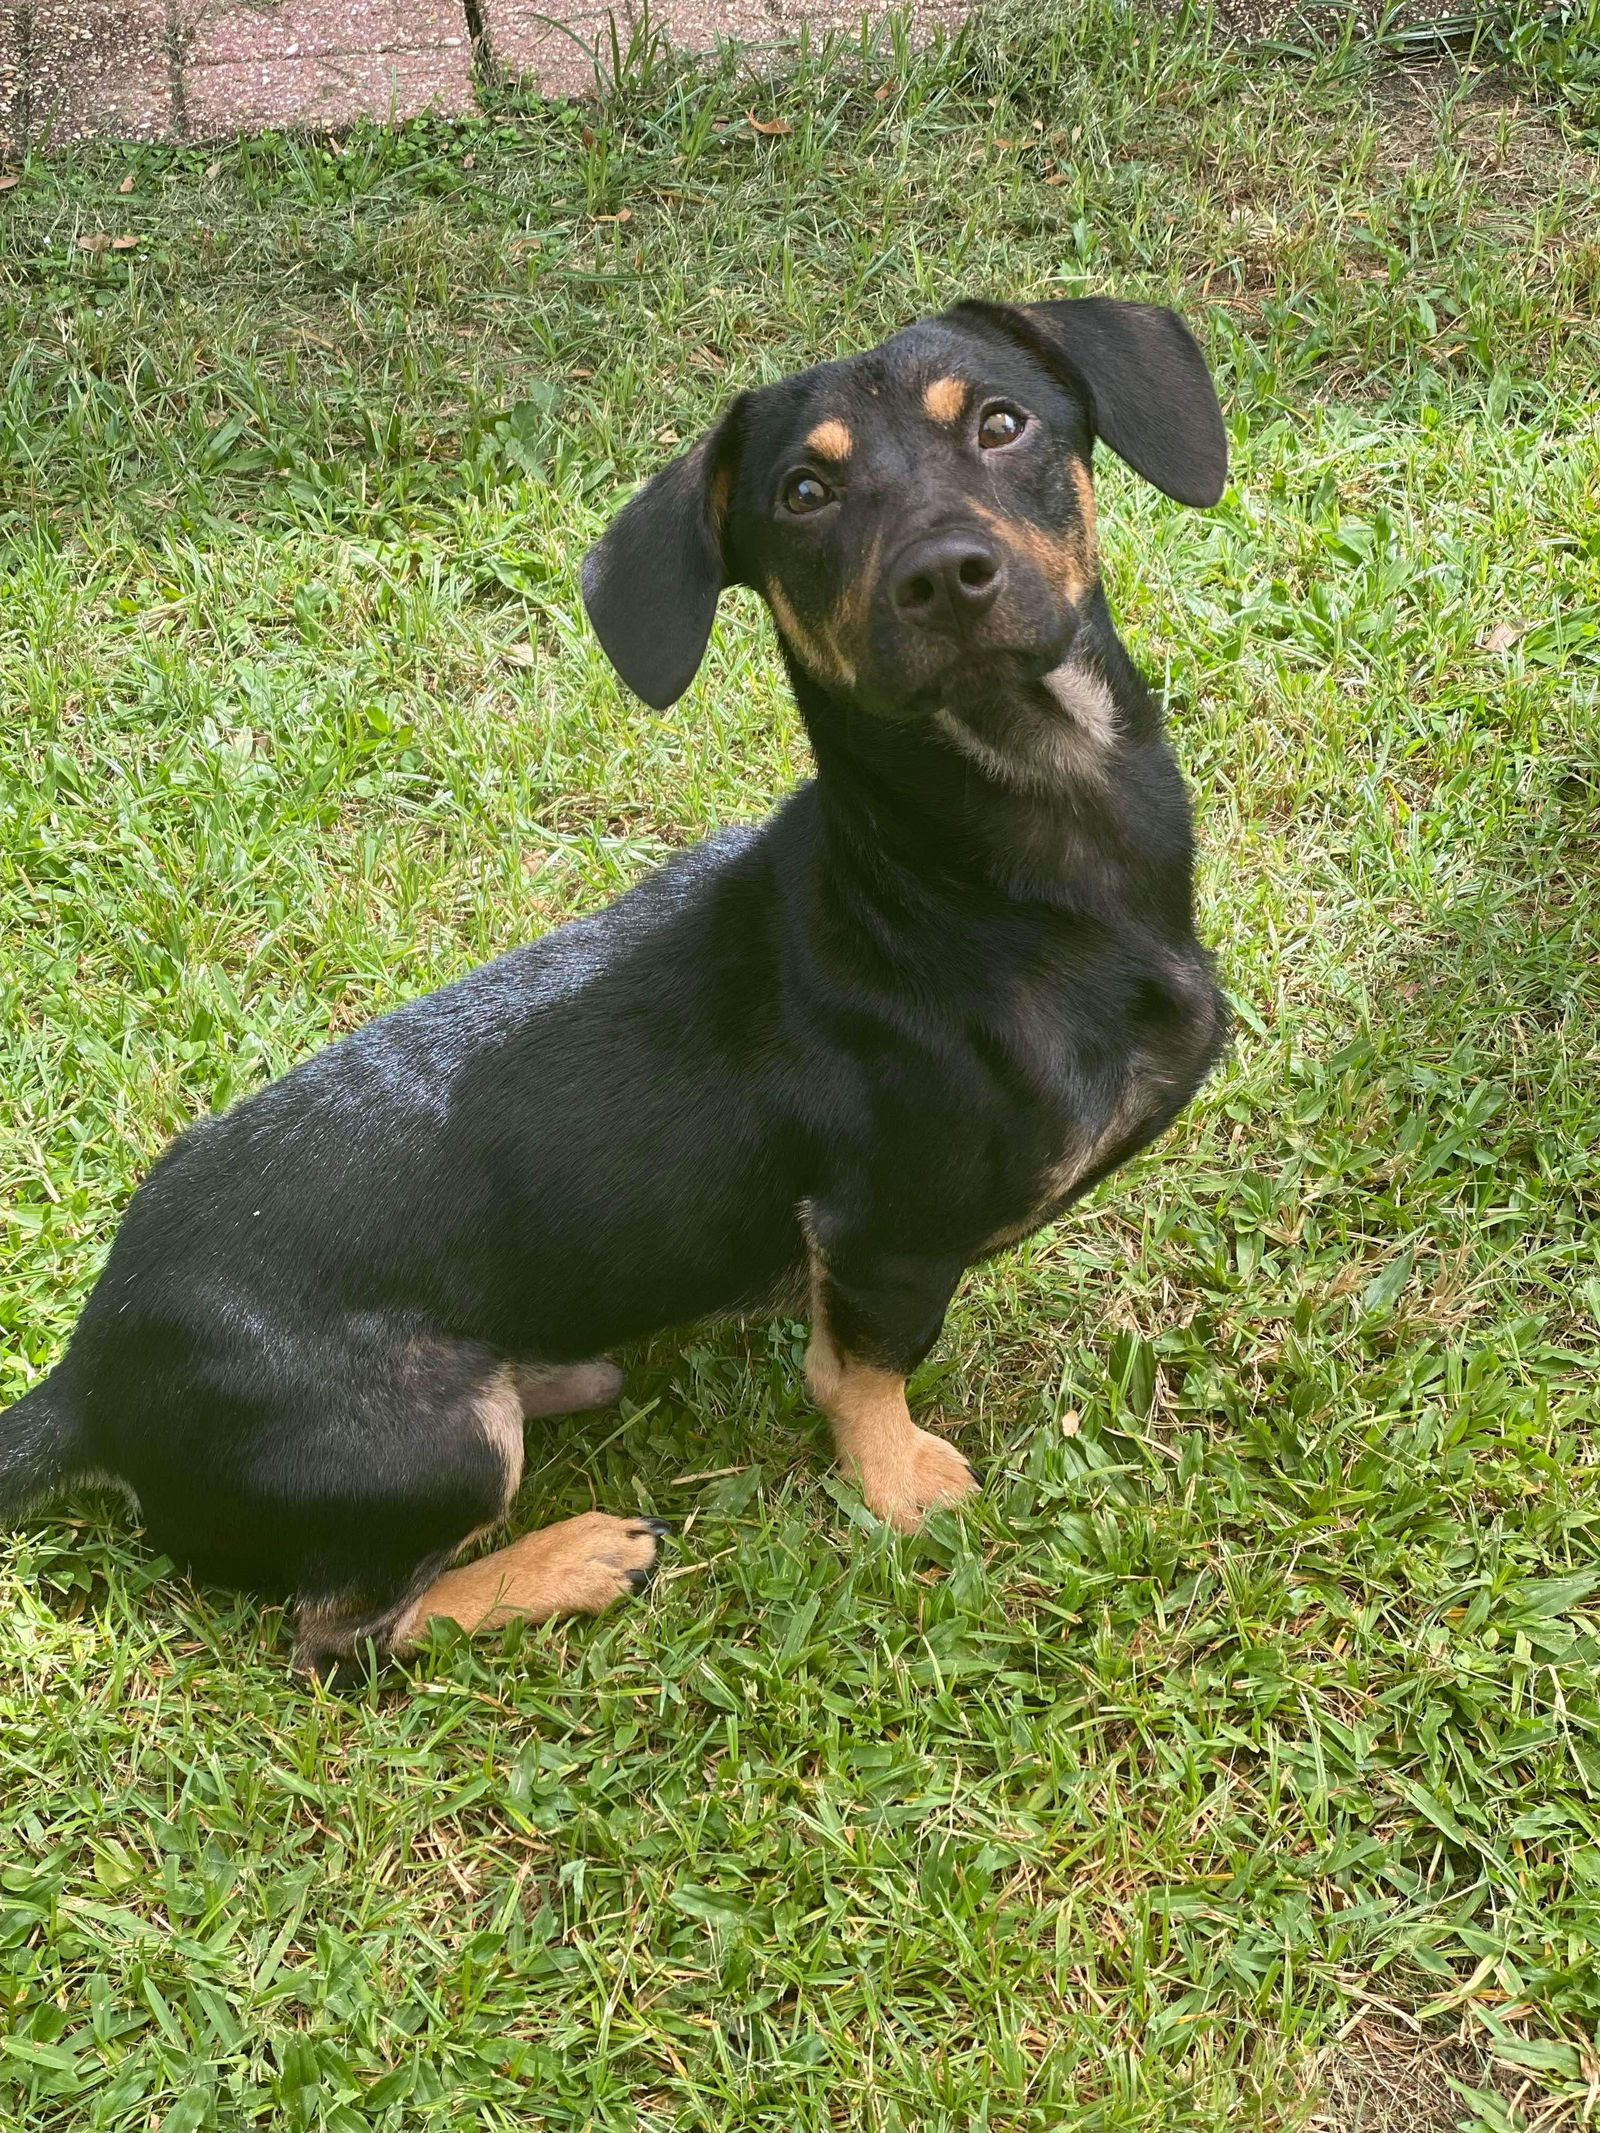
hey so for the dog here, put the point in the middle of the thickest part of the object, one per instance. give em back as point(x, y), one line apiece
point(834, 1059)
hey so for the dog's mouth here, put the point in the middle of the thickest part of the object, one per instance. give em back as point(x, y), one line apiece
point(918, 681)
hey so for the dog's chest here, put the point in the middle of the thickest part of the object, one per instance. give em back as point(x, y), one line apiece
point(1091, 1078)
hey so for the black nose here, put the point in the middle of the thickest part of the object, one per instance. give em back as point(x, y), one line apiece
point(947, 581)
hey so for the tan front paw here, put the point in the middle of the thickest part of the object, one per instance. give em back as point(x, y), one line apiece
point(925, 1475)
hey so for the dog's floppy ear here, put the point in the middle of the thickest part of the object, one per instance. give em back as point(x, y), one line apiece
point(1146, 382)
point(651, 582)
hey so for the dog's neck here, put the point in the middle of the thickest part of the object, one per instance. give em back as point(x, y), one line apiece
point(1046, 793)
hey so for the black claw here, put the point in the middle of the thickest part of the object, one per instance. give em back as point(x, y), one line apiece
point(657, 1526)
point(639, 1579)
point(973, 1471)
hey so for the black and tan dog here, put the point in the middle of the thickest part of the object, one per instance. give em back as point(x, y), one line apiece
point(947, 986)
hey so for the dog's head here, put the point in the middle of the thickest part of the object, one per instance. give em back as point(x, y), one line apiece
point(916, 516)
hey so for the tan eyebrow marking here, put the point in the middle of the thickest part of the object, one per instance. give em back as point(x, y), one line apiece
point(944, 399)
point(830, 439)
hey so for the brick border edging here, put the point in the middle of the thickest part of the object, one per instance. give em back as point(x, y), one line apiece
point(198, 70)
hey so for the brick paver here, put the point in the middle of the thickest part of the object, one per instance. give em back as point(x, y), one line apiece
point(10, 68)
point(326, 91)
point(320, 63)
point(554, 47)
point(89, 66)
point(698, 25)
point(200, 69)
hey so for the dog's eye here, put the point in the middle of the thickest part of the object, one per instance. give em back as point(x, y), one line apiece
point(804, 493)
point(1001, 425)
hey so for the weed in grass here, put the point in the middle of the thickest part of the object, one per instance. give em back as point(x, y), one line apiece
point(1258, 1699)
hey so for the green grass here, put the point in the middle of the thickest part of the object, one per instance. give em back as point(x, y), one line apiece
point(1256, 1707)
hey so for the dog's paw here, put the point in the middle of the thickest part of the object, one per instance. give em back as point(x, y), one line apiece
point(583, 1565)
point(580, 1567)
point(927, 1475)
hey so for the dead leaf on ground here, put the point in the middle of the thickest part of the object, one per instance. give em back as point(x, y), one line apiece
point(623, 214)
point(100, 242)
point(884, 91)
point(127, 184)
point(213, 169)
point(520, 655)
point(8, 179)
point(469, 162)
point(769, 125)
point(1502, 636)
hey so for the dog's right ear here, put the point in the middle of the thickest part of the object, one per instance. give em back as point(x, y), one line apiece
point(651, 582)
point(1148, 389)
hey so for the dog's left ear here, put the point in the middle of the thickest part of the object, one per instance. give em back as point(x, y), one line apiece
point(651, 582)
point(1146, 382)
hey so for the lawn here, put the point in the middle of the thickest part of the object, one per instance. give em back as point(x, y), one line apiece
point(1237, 1762)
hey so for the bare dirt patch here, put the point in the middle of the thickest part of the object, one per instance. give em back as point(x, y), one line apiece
point(1510, 146)
point(1383, 2078)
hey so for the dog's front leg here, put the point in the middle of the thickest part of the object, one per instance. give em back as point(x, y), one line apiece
point(874, 1316)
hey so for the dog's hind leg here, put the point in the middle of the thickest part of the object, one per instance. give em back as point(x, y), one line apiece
point(581, 1566)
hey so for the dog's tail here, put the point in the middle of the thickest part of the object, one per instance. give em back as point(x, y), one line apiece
point(39, 1445)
